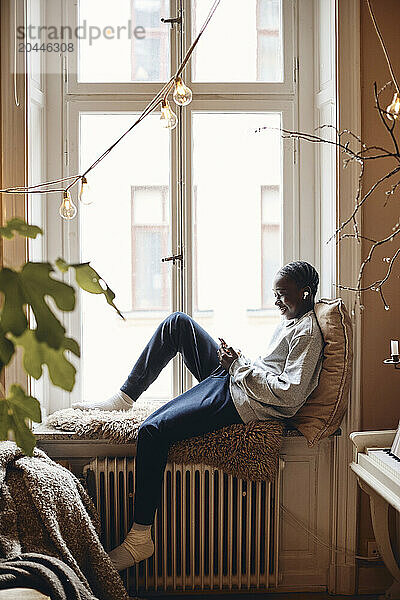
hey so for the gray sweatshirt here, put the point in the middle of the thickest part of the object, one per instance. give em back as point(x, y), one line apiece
point(277, 385)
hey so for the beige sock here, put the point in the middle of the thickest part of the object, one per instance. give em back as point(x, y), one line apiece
point(136, 547)
point(120, 401)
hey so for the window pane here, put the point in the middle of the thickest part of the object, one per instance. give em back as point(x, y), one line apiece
point(240, 44)
point(123, 41)
point(228, 228)
point(125, 248)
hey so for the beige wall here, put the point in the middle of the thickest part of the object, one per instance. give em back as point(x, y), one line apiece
point(380, 392)
point(381, 384)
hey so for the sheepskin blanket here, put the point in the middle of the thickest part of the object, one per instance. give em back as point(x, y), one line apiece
point(44, 509)
point(248, 451)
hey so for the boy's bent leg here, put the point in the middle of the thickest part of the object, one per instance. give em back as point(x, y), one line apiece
point(177, 333)
point(206, 407)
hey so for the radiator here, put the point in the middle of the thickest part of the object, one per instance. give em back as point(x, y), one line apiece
point(213, 531)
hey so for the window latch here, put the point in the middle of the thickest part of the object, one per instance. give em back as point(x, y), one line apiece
point(173, 258)
point(172, 20)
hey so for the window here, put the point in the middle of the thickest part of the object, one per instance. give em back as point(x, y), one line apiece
point(194, 192)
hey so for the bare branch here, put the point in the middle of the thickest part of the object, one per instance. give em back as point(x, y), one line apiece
point(362, 201)
point(352, 235)
point(309, 137)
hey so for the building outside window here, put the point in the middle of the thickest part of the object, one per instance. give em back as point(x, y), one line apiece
point(146, 15)
point(149, 241)
point(270, 241)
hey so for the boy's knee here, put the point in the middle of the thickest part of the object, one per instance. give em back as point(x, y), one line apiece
point(147, 429)
point(180, 316)
point(154, 429)
point(177, 319)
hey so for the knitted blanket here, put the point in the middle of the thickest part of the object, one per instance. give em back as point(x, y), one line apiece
point(248, 451)
point(44, 509)
point(46, 574)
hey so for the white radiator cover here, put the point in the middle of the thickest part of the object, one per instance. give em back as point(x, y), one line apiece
point(213, 531)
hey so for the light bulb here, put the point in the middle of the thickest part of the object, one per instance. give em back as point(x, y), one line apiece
point(67, 208)
point(393, 110)
point(182, 94)
point(168, 118)
point(84, 194)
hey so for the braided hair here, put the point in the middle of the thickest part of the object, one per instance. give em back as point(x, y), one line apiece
point(303, 274)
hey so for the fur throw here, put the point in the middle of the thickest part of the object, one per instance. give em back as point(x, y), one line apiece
point(248, 451)
point(44, 509)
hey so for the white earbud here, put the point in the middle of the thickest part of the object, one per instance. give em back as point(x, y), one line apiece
point(305, 295)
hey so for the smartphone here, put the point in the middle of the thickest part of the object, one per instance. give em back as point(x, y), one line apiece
point(223, 343)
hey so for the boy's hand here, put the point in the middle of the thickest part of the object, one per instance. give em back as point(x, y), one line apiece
point(226, 356)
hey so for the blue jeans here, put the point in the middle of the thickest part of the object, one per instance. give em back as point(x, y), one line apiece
point(205, 407)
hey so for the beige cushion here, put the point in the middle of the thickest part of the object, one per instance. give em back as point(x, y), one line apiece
point(323, 411)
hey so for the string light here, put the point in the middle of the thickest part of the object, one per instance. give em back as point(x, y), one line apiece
point(84, 193)
point(393, 110)
point(67, 209)
point(168, 118)
point(182, 94)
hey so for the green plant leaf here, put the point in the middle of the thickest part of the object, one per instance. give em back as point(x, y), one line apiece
point(36, 354)
point(89, 280)
point(18, 225)
point(13, 317)
point(6, 349)
point(14, 412)
point(31, 286)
